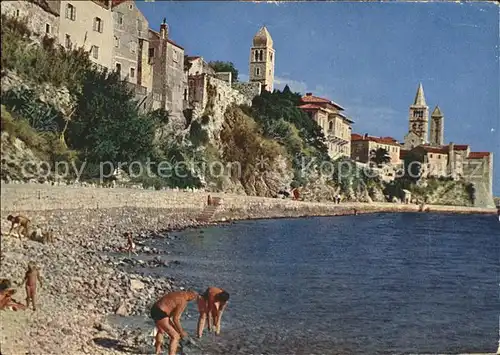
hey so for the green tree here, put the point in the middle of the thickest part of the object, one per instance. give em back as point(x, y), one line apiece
point(107, 125)
point(413, 165)
point(380, 156)
point(220, 66)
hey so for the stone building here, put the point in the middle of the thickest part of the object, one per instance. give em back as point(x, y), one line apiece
point(335, 125)
point(437, 127)
point(131, 50)
point(169, 75)
point(199, 66)
point(41, 16)
point(418, 121)
point(88, 24)
point(262, 58)
point(131, 46)
point(363, 145)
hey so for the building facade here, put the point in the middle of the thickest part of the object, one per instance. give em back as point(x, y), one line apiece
point(335, 125)
point(169, 74)
point(262, 58)
point(363, 145)
point(88, 24)
point(41, 16)
point(130, 43)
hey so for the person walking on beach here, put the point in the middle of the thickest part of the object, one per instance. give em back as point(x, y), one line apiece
point(211, 305)
point(166, 313)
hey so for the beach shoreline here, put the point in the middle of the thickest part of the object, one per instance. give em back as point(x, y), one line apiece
point(86, 280)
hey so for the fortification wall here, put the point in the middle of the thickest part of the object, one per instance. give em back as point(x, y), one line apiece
point(249, 90)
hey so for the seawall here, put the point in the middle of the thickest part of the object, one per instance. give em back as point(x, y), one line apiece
point(36, 197)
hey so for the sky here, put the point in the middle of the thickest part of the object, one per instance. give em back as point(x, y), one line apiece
point(369, 57)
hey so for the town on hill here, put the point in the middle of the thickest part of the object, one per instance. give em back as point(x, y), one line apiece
point(200, 111)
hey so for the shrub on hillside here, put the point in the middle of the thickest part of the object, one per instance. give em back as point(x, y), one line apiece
point(41, 63)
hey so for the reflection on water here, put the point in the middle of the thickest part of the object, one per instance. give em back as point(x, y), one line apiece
point(387, 283)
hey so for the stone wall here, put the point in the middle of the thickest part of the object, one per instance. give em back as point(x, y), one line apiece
point(225, 76)
point(479, 172)
point(249, 90)
point(39, 20)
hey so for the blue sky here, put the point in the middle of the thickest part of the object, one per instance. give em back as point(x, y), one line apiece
point(368, 57)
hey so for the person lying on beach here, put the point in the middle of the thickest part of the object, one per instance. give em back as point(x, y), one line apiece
point(6, 300)
point(166, 313)
point(211, 305)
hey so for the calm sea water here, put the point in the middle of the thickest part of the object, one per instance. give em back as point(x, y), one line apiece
point(385, 283)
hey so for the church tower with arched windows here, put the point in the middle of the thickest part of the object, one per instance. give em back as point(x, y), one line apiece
point(262, 60)
point(418, 121)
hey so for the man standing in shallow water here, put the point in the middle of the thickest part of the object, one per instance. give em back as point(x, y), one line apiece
point(171, 306)
point(211, 305)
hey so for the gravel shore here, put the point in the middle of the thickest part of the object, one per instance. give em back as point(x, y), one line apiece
point(84, 280)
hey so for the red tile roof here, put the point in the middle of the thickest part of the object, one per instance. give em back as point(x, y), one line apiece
point(478, 155)
point(461, 147)
point(438, 150)
point(311, 107)
point(379, 140)
point(116, 2)
point(309, 98)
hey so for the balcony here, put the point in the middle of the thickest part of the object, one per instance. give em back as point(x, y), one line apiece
point(331, 137)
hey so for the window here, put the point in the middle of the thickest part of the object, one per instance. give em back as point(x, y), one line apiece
point(133, 47)
point(431, 155)
point(256, 55)
point(67, 41)
point(261, 55)
point(175, 56)
point(70, 12)
point(132, 72)
point(95, 52)
point(185, 94)
point(117, 42)
point(131, 7)
point(47, 28)
point(330, 126)
point(118, 67)
point(17, 13)
point(98, 24)
point(151, 53)
point(271, 55)
point(269, 71)
point(119, 19)
point(257, 71)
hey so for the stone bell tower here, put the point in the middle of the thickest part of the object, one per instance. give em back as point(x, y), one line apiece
point(262, 60)
point(418, 121)
point(437, 127)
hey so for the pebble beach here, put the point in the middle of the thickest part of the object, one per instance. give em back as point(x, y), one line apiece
point(85, 279)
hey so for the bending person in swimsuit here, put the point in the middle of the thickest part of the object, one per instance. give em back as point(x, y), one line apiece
point(170, 306)
point(211, 305)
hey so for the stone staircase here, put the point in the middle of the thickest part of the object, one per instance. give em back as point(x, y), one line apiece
point(209, 211)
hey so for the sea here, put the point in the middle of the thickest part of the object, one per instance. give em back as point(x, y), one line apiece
point(408, 283)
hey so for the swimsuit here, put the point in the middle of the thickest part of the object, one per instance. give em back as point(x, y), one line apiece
point(157, 314)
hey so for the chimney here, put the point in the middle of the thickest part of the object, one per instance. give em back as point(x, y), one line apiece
point(309, 94)
point(366, 136)
point(164, 29)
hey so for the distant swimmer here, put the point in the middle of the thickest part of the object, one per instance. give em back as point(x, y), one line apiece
point(166, 313)
point(211, 305)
